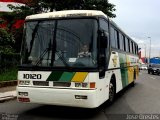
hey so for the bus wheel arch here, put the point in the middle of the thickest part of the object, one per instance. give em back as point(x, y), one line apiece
point(112, 89)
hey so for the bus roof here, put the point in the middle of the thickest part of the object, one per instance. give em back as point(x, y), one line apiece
point(66, 13)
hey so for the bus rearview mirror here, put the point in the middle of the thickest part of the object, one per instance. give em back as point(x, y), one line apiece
point(103, 40)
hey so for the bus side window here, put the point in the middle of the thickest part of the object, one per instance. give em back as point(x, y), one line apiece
point(137, 49)
point(121, 41)
point(117, 39)
point(126, 44)
point(104, 25)
point(133, 48)
point(129, 45)
point(112, 37)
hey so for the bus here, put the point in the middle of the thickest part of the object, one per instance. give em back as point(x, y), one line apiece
point(51, 71)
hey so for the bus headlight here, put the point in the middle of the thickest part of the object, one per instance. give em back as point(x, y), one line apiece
point(24, 82)
point(86, 85)
point(78, 84)
point(82, 85)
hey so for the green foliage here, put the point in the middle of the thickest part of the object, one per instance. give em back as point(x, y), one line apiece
point(10, 74)
point(1, 21)
point(6, 41)
point(9, 61)
point(39, 6)
point(20, 12)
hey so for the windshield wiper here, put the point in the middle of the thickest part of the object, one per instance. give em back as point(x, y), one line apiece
point(33, 36)
point(42, 56)
point(62, 58)
point(44, 53)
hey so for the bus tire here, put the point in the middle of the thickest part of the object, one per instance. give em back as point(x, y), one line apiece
point(112, 91)
point(134, 78)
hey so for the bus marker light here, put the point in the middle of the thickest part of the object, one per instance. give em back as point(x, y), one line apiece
point(80, 97)
point(92, 85)
point(21, 99)
point(23, 82)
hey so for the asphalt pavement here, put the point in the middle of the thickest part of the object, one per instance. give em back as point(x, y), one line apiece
point(142, 100)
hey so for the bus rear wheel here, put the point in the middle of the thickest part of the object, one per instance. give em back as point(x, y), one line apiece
point(134, 78)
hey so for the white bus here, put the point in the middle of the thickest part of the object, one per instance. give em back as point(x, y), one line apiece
point(51, 70)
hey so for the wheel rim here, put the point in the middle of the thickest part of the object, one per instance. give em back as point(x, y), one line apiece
point(111, 92)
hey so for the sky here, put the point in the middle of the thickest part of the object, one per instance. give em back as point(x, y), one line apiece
point(140, 19)
point(3, 6)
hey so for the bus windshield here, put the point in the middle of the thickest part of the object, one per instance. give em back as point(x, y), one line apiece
point(60, 43)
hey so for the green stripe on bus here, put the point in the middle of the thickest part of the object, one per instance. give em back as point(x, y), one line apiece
point(55, 76)
point(124, 70)
point(67, 76)
point(124, 76)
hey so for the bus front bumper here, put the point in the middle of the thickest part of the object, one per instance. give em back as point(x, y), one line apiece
point(62, 97)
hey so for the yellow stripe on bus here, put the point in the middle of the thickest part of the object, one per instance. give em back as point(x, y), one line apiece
point(79, 76)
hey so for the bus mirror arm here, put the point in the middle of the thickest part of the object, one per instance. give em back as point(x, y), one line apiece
point(101, 73)
point(103, 39)
point(102, 59)
point(102, 66)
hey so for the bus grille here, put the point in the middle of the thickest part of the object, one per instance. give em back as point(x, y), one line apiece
point(41, 83)
point(62, 84)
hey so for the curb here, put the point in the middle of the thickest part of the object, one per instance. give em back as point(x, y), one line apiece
point(8, 83)
point(7, 98)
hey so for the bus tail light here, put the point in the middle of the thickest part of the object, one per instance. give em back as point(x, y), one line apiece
point(21, 99)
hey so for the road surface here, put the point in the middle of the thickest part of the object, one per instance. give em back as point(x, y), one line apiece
point(142, 99)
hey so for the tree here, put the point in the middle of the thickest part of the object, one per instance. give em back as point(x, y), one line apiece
point(6, 42)
point(39, 6)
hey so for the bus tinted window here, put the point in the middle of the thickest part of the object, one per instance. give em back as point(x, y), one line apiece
point(135, 49)
point(126, 44)
point(131, 47)
point(121, 41)
point(104, 24)
point(117, 39)
point(112, 36)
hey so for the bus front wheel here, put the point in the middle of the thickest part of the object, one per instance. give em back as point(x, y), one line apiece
point(111, 92)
